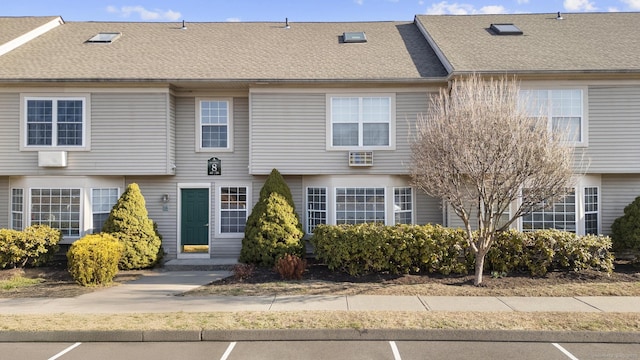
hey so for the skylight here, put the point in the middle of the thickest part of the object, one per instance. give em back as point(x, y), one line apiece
point(354, 37)
point(505, 29)
point(105, 37)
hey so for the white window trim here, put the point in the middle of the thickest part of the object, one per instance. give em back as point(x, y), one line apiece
point(598, 212)
point(82, 230)
point(12, 213)
point(306, 204)
point(392, 122)
point(198, 145)
point(413, 203)
point(219, 233)
point(584, 124)
point(86, 121)
point(387, 221)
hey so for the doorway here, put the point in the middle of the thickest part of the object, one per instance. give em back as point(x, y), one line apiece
point(194, 221)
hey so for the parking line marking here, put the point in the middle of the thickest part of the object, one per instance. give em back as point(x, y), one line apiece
point(228, 352)
point(394, 349)
point(54, 357)
point(565, 351)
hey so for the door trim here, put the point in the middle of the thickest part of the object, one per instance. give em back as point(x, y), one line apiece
point(208, 187)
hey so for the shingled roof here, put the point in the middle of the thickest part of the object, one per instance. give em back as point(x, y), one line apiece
point(395, 51)
point(584, 42)
point(14, 27)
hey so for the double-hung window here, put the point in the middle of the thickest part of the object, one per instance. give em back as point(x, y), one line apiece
point(316, 207)
point(403, 205)
point(55, 122)
point(591, 210)
point(17, 209)
point(214, 125)
point(562, 109)
point(361, 122)
point(233, 209)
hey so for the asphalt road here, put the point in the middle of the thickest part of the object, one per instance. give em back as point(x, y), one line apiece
point(312, 350)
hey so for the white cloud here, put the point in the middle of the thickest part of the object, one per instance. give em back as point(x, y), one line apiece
point(234, 19)
point(522, 1)
point(579, 5)
point(359, 2)
point(633, 4)
point(156, 14)
point(445, 7)
point(613, 9)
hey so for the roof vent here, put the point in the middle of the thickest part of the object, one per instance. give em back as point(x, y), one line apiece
point(105, 37)
point(360, 158)
point(184, 26)
point(354, 37)
point(505, 29)
point(559, 17)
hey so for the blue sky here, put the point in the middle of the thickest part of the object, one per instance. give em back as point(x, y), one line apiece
point(295, 10)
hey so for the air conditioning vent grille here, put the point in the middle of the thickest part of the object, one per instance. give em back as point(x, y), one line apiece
point(360, 158)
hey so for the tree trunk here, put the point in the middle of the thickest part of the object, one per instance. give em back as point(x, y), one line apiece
point(480, 255)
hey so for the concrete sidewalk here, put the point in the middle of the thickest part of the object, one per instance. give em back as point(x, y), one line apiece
point(157, 292)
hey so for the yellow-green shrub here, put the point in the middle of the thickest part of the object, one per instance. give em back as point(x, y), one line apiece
point(34, 246)
point(93, 260)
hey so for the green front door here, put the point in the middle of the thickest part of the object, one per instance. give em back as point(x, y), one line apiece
point(194, 230)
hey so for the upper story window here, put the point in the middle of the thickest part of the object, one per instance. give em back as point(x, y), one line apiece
point(561, 108)
point(215, 122)
point(361, 122)
point(59, 122)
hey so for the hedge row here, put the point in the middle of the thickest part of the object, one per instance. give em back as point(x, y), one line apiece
point(366, 248)
point(34, 246)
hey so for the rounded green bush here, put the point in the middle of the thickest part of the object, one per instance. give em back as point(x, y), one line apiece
point(33, 247)
point(625, 230)
point(93, 260)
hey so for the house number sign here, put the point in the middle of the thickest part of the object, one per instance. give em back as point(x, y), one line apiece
point(214, 166)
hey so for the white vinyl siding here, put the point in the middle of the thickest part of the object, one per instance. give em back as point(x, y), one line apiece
point(316, 207)
point(102, 201)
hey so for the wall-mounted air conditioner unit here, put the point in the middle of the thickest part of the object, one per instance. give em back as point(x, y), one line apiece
point(360, 158)
point(52, 158)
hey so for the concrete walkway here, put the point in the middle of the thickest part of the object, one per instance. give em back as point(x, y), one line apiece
point(156, 292)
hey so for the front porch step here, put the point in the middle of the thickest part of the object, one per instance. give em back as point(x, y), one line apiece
point(199, 264)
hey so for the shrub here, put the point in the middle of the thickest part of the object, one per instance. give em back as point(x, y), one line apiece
point(273, 227)
point(625, 230)
point(129, 223)
point(365, 248)
point(242, 272)
point(584, 252)
point(93, 260)
point(290, 267)
point(506, 254)
point(271, 231)
point(34, 246)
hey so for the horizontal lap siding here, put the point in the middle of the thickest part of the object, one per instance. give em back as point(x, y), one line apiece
point(618, 191)
point(428, 209)
point(614, 130)
point(191, 167)
point(289, 133)
point(128, 136)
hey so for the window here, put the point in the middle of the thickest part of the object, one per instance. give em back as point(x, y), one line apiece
point(233, 209)
point(17, 209)
point(403, 205)
point(361, 122)
point(214, 125)
point(360, 205)
point(560, 215)
point(102, 201)
point(562, 109)
point(58, 208)
point(316, 207)
point(105, 38)
point(505, 29)
point(591, 211)
point(55, 122)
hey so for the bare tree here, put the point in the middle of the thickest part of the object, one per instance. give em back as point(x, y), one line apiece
point(481, 151)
